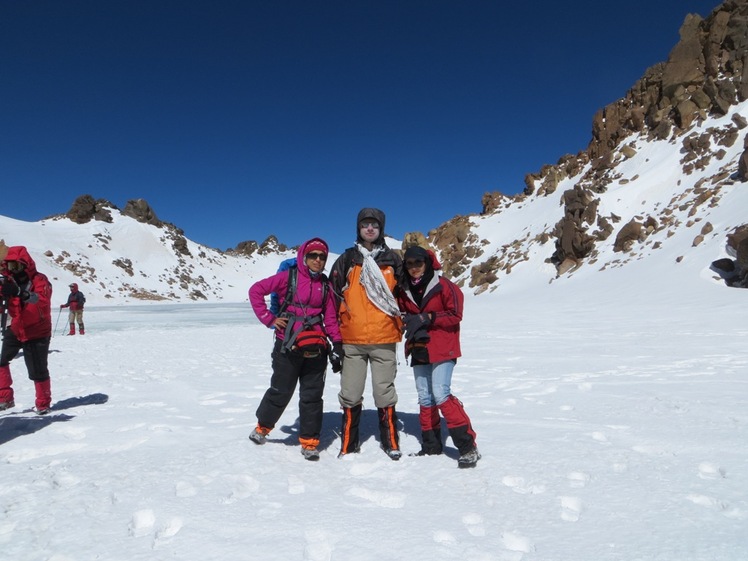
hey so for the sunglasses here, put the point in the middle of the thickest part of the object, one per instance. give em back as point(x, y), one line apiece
point(316, 256)
point(367, 225)
point(414, 263)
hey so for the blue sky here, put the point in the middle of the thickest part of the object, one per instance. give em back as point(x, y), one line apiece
point(240, 119)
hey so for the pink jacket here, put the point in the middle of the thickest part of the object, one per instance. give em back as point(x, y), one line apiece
point(307, 301)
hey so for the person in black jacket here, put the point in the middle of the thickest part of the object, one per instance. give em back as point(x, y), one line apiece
point(76, 300)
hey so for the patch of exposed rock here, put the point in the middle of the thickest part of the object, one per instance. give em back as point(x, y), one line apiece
point(140, 210)
point(457, 245)
point(267, 247)
point(734, 269)
point(85, 208)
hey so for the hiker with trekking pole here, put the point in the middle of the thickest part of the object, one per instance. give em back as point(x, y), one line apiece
point(75, 302)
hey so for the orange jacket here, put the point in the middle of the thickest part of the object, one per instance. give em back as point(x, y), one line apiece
point(361, 322)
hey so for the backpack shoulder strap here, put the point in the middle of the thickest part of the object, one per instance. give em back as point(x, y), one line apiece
point(290, 290)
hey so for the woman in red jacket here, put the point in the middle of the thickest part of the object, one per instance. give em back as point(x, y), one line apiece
point(26, 295)
point(432, 307)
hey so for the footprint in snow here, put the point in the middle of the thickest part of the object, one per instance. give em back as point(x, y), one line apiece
point(444, 537)
point(519, 485)
point(571, 508)
point(379, 498)
point(517, 542)
point(169, 530)
point(599, 436)
point(719, 505)
point(318, 546)
point(142, 523)
point(578, 479)
point(711, 471)
point(474, 524)
point(244, 486)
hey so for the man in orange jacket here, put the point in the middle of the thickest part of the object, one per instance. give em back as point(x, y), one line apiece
point(363, 279)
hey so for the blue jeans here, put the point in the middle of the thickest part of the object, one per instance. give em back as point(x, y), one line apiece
point(433, 382)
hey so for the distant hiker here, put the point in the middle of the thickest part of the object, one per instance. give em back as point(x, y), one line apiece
point(304, 323)
point(25, 296)
point(76, 300)
point(433, 312)
point(363, 278)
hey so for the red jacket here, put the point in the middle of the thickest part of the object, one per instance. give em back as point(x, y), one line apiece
point(444, 300)
point(31, 319)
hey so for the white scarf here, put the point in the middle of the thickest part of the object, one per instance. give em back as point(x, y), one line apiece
point(373, 281)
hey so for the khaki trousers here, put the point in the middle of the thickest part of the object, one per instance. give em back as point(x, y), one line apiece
point(383, 362)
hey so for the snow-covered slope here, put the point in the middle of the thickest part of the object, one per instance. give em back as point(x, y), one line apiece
point(690, 213)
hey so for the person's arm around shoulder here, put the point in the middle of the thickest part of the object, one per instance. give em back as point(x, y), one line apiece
point(339, 273)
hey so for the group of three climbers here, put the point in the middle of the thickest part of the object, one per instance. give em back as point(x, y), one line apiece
point(371, 297)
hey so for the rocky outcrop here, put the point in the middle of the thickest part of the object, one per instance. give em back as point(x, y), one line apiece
point(85, 208)
point(573, 242)
point(704, 75)
point(734, 269)
point(412, 239)
point(140, 210)
point(250, 247)
point(457, 246)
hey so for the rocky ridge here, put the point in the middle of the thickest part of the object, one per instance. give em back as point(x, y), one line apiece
point(181, 263)
point(704, 80)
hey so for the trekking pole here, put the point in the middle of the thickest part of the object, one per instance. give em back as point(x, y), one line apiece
point(57, 322)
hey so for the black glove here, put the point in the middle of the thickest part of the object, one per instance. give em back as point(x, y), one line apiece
point(336, 357)
point(10, 289)
point(413, 323)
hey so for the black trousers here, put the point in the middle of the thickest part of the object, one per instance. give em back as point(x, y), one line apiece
point(290, 368)
point(35, 353)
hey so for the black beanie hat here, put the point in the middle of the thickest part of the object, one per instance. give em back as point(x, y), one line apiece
point(417, 252)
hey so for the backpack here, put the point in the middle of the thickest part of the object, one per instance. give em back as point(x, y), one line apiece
point(311, 342)
point(285, 265)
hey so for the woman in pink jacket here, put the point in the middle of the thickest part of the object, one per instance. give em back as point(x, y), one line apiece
point(306, 320)
point(432, 307)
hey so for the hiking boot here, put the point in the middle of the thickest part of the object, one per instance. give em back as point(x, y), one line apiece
point(7, 405)
point(393, 454)
point(356, 450)
point(41, 410)
point(259, 435)
point(468, 459)
point(424, 452)
point(311, 454)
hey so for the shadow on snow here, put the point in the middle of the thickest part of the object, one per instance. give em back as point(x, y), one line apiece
point(14, 424)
